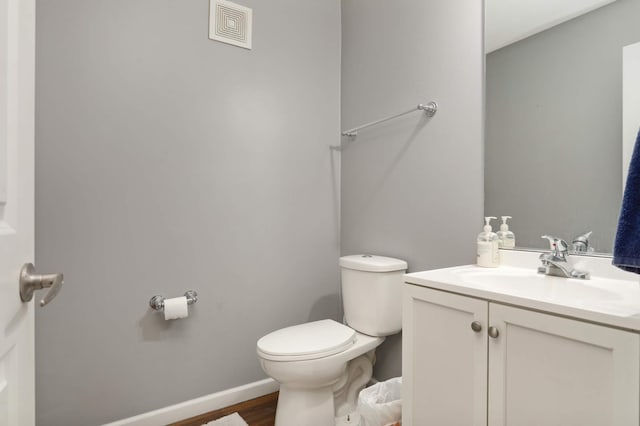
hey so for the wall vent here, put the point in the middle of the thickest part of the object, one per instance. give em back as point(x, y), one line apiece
point(230, 23)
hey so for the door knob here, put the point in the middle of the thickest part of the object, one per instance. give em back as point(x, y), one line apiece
point(476, 326)
point(30, 282)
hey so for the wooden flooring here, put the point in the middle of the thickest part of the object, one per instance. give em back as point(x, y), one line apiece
point(256, 412)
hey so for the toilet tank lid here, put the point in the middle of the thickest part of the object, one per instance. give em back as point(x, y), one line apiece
point(371, 263)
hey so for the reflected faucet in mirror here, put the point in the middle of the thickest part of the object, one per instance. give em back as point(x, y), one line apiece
point(581, 243)
point(557, 262)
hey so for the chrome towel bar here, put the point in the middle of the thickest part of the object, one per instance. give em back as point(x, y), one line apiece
point(430, 109)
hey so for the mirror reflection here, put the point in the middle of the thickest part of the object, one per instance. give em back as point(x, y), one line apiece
point(553, 141)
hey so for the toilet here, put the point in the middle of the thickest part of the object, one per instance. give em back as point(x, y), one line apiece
point(322, 365)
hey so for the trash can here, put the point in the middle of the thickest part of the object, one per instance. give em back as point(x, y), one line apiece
point(381, 404)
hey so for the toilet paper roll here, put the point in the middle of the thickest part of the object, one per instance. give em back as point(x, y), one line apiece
point(175, 308)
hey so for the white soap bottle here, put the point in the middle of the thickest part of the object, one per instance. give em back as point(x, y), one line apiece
point(506, 238)
point(488, 254)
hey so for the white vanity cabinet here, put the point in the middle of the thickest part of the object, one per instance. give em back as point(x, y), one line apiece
point(472, 361)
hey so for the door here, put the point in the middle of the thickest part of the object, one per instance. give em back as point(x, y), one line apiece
point(444, 358)
point(17, 49)
point(554, 371)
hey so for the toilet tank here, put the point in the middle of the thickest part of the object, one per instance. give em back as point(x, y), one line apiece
point(372, 293)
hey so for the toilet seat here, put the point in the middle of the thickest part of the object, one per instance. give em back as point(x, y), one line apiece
point(307, 341)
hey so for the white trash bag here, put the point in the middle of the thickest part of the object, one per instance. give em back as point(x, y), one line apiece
point(381, 404)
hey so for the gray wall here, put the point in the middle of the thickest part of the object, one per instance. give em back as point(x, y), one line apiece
point(554, 128)
point(412, 188)
point(166, 162)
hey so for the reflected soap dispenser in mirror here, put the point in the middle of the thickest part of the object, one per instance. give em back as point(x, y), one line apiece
point(506, 238)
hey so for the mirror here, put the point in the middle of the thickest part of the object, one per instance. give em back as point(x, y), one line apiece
point(553, 130)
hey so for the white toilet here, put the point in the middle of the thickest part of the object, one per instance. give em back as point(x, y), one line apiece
point(322, 365)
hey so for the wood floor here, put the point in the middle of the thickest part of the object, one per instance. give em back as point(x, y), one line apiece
point(256, 412)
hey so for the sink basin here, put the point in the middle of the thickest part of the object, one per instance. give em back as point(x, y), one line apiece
point(513, 280)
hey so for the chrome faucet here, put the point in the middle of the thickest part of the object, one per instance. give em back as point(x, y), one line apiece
point(557, 262)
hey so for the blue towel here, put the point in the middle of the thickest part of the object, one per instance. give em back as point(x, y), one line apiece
point(626, 250)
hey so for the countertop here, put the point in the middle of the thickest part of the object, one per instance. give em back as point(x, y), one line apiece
point(603, 300)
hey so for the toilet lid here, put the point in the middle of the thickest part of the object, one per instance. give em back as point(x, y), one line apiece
point(307, 341)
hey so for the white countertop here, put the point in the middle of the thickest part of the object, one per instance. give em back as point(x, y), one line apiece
point(604, 300)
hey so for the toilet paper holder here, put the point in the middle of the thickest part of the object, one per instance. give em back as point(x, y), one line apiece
point(157, 302)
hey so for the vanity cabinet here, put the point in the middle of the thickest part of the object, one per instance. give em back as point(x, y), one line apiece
point(471, 361)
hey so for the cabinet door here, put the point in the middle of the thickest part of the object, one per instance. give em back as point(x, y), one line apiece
point(444, 361)
point(548, 370)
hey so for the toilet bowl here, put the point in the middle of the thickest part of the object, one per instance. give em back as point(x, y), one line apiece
point(309, 377)
point(322, 365)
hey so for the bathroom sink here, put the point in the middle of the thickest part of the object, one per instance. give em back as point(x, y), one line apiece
point(515, 279)
point(599, 299)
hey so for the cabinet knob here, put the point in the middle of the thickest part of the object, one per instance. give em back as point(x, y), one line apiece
point(493, 332)
point(476, 326)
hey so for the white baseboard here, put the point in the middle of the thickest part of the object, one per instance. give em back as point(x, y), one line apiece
point(204, 404)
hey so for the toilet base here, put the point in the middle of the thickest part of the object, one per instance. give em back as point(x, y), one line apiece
point(308, 407)
point(314, 392)
point(329, 405)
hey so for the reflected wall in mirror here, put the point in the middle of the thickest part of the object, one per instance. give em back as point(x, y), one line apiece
point(553, 133)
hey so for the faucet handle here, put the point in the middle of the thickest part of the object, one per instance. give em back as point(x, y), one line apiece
point(558, 246)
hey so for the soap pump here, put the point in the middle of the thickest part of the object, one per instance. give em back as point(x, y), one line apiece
point(488, 254)
point(506, 238)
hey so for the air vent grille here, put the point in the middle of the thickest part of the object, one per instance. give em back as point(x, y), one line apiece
point(230, 23)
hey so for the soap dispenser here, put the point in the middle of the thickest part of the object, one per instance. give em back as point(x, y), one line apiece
point(488, 254)
point(506, 238)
